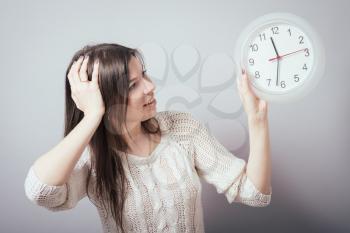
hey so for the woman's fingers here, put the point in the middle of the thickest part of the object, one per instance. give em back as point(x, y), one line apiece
point(238, 81)
point(83, 70)
point(76, 70)
point(244, 83)
point(246, 88)
point(94, 78)
point(70, 76)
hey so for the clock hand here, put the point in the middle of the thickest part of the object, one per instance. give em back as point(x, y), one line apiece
point(278, 71)
point(280, 57)
point(278, 62)
point(274, 46)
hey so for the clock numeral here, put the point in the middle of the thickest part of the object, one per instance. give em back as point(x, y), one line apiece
point(275, 30)
point(305, 67)
point(283, 84)
point(307, 52)
point(301, 40)
point(290, 32)
point(257, 74)
point(254, 47)
point(269, 81)
point(251, 61)
point(296, 78)
point(262, 37)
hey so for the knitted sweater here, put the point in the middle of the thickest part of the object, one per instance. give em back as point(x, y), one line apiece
point(164, 188)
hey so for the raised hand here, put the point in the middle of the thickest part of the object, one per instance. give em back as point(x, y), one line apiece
point(86, 94)
point(255, 108)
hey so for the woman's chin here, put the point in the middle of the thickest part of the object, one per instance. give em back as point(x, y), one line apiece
point(148, 115)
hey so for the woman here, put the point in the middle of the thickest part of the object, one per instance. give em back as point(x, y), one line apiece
point(139, 167)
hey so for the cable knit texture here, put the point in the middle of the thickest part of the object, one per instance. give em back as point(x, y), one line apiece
point(164, 188)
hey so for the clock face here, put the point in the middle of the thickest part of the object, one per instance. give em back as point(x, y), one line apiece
point(278, 57)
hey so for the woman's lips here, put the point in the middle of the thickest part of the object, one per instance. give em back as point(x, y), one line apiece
point(153, 102)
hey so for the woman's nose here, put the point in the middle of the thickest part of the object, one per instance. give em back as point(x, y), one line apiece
point(148, 86)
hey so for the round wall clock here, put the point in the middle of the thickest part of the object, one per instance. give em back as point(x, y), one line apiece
point(283, 56)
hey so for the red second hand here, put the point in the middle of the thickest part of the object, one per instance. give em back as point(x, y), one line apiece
point(279, 57)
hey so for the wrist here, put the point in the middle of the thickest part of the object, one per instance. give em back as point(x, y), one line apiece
point(257, 120)
point(258, 124)
point(93, 116)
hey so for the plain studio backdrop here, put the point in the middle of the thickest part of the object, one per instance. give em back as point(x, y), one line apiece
point(309, 139)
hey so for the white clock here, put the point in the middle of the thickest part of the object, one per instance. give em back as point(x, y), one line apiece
point(283, 56)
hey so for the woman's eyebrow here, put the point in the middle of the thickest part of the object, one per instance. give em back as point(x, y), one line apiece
point(134, 78)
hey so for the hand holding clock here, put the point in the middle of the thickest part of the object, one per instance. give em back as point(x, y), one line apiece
point(255, 108)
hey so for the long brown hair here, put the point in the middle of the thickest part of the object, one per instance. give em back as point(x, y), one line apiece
point(107, 143)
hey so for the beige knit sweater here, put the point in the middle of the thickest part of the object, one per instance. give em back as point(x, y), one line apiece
point(164, 189)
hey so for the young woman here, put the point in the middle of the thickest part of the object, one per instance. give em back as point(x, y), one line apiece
point(139, 167)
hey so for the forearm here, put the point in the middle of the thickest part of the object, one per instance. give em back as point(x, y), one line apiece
point(259, 162)
point(55, 167)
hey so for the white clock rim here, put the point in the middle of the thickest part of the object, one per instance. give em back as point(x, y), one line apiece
point(253, 35)
point(318, 68)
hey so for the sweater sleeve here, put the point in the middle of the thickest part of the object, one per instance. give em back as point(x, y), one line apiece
point(63, 197)
point(219, 167)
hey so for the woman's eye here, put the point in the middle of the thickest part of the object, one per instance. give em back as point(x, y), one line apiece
point(132, 86)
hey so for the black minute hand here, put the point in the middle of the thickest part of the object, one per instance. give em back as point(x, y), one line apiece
point(278, 60)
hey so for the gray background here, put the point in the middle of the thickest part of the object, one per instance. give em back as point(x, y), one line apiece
point(309, 139)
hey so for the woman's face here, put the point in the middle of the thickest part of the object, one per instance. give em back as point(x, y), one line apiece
point(141, 91)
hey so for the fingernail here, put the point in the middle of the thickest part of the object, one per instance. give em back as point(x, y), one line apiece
point(243, 71)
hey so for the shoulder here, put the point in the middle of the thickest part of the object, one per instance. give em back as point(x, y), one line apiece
point(177, 122)
point(173, 115)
